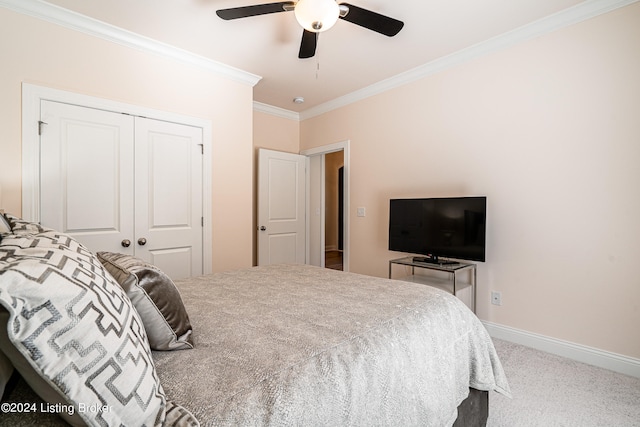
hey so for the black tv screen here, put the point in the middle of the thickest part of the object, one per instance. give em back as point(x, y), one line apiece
point(452, 227)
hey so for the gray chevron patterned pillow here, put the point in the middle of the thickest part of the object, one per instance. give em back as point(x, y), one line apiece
point(68, 321)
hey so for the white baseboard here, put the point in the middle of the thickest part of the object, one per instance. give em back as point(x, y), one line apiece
point(581, 353)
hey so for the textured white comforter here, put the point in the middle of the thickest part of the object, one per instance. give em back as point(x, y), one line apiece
point(304, 346)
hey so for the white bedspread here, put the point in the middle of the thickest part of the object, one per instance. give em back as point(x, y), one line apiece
point(304, 346)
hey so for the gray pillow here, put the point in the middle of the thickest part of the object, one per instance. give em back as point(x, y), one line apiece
point(156, 298)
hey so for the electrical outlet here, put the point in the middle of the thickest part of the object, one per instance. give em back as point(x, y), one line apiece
point(496, 298)
point(361, 212)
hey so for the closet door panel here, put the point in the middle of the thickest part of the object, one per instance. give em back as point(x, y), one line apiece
point(170, 159)
point(87, 175)
point(177, 262)
point(168, 202)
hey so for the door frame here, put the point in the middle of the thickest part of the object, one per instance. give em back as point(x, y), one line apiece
point(343, 146)
point(32, 95)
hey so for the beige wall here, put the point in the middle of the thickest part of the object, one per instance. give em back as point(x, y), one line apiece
point(275, 133)
point(548, 130)
point(38, 52)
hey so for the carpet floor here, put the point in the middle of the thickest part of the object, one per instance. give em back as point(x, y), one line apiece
point(550, 390)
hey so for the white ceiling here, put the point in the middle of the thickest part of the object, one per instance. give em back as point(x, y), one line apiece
point(349, 58)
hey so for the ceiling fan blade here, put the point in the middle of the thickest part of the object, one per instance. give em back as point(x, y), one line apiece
point(308, 44)
point(373, 21)
point(258, 9)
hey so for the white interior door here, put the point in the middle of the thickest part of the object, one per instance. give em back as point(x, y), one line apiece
point(281, 207)
point(86, 173)
point(168, 197)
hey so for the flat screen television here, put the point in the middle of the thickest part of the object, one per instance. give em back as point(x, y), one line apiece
point(451, 227)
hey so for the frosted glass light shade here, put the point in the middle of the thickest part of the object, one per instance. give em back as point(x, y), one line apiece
point(317, 15)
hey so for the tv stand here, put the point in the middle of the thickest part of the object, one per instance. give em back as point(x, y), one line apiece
point(464, 290)
point(434, 260)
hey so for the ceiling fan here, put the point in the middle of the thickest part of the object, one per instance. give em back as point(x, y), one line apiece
point(317, 16)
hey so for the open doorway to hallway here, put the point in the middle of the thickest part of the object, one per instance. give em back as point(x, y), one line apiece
point(334, 210)
point(328, 205)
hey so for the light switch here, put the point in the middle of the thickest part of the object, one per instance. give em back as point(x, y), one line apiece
point(362, 211)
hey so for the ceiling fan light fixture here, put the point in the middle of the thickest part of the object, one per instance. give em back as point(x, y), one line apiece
point(317, 15)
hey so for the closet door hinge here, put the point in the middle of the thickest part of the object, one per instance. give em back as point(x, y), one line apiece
point(202, 221)
point(201, 148)
point(40, 123)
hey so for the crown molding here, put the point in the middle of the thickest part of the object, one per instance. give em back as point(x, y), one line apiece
point(42, 10)
point(78, 22)
point(573, 15)
point(275, 111)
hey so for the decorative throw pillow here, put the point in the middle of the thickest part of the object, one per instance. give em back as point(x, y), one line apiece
point(156, 298)
point(22, 227)
point(5, 225)
point(73, 334)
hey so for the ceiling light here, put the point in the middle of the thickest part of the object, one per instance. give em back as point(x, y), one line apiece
point(298, 100)
point(317, 15)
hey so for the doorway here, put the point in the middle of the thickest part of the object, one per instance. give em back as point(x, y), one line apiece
point(334, 210)
point(328, 205)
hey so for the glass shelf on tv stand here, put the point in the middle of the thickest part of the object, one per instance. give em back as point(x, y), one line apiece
point(465, 290)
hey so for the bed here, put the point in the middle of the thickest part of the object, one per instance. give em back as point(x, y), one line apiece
point(300, 345)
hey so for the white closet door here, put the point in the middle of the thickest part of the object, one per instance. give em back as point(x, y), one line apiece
point(87, 175)
point(122, 184)
point(168, 198)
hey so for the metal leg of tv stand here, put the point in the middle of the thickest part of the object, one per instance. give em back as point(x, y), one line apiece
point(464, 267)
point(473, 285)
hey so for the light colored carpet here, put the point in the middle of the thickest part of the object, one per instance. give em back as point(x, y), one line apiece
point(550, 390)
